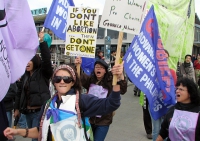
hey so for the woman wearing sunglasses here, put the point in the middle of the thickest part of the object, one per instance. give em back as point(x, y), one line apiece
point(61, 117)
point(99, 83)
point(182, 122)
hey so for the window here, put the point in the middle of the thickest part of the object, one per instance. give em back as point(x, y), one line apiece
point(100, 33)
point(114, 34)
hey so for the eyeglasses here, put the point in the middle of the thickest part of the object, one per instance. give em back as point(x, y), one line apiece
point(180, 89)
point(66, 79)
point(99, 67)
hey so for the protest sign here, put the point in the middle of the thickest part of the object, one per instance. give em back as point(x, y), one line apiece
point(176, 25)
point(18, 41)
point(123, 15)
point(146, 66)
point(56, 19)
point(128, 20)
point(82, 27)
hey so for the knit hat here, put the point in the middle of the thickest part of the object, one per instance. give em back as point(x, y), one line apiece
point(101, 62)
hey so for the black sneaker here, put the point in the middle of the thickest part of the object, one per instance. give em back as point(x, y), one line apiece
point(149, 136)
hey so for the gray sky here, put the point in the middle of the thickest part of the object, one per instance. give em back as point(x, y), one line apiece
point(34, 4)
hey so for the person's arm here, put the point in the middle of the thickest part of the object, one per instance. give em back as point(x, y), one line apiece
point(123, 85)
point(92, 105)
point(85, 79)
point(191, 74)
point(12, 91)
point(18, 96)
point(46, 68)
point(10, 132)
point(159, 138)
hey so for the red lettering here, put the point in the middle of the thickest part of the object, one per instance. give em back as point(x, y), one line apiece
point(159, 44)
point(160, 55)
point(149, 27)
point(162, 63)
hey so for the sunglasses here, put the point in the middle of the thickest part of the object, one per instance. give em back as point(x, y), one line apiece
point(66, 79)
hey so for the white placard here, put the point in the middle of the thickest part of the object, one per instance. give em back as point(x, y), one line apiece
point(124, 15)
point(81, 32)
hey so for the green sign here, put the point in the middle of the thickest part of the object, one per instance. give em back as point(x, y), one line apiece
point(40, 11)
point(176, 26)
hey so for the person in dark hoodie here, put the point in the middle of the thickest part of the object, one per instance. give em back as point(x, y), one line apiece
point(34, 91)
point(9, 101)
point(100, 84)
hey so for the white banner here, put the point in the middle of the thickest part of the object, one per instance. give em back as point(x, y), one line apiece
point(124, 15)
point(81, 32)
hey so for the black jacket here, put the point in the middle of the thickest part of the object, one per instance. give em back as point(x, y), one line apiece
point(164, 131)
point(38, 83)
point(10, 96)
point(4, 121)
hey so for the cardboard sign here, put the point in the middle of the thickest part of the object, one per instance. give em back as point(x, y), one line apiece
point(124, 15)
point(81, 32)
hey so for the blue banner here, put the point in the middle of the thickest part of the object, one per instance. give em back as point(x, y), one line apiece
point(146, 65)
point(56, 19)
point(87, 65)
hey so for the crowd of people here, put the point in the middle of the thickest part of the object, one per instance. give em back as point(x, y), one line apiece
point(88, 116)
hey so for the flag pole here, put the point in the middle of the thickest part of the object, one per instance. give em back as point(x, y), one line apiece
point(42, 31)
point(119, 46)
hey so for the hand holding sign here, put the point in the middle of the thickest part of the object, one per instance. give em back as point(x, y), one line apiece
point(117, 70)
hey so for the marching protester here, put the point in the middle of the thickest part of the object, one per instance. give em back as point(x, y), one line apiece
point(100, 84)
point(182, 122)
point(64, 110)
point(99, 55)
point(34, 91)
point(186, 69)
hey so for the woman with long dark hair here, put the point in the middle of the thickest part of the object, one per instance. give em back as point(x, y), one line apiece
point(100, 84)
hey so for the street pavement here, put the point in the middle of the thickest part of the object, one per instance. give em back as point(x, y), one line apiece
point(127, 123)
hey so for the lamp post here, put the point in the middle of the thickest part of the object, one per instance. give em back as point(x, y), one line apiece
point(107, 44)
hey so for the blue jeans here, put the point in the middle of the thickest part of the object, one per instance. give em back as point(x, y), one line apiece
point(156, 125)
point(9, 116)
point(100, 132)
point(33, 120)
point(22, 121)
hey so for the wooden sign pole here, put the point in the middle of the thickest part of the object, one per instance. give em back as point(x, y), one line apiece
point(119, 46)
point(78, 68)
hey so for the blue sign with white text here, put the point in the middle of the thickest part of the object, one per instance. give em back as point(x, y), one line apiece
point(146, 65)
point(56, 19)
